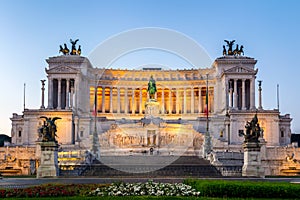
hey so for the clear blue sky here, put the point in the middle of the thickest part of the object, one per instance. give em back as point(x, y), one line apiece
point(31, 31)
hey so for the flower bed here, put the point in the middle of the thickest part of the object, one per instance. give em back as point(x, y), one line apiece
point(149, 189)
point(50, 190)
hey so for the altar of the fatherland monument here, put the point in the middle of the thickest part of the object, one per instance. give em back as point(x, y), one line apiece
point(111, 116)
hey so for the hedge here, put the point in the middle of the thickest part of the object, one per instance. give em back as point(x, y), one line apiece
point(245, 189)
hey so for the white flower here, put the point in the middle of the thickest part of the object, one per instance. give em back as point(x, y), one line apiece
point(149, 188)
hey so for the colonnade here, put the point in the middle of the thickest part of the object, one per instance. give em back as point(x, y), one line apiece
point(241, 94)
point(130, 100)
point(60, 93)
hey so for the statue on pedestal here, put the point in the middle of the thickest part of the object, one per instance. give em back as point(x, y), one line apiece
point(253, 130)
point(64, 50)
point(236, 52)
point(48, 130)
point(230, 44)
point(252, 166)
point(74, 51)
point(49, 149)
point(152, 88)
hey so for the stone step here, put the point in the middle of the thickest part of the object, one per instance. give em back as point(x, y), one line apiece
point(189, 166)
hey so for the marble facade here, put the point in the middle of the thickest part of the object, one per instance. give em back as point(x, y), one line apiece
point(179, 117)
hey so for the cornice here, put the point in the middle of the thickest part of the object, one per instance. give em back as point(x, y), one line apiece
point(235, 60)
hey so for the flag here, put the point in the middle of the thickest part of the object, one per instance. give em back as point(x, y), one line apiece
point(95, 103)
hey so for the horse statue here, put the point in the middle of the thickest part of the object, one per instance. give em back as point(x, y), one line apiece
point(224, 51)
point(79, 50)
point(230, 44)
point(64, 50)
point(48, 130)
point(73, 51)
point(235, 52)
point(241, 51)
point(152, 88)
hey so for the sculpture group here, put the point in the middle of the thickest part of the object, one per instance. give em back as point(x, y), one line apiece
point(65, 50)
point(236, 52)
point(48, 130)
point(253, 130)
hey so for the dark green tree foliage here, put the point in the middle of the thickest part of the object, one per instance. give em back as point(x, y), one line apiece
point(4, 138)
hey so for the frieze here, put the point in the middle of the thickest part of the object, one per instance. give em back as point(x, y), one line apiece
point(239, 69)
point(62, 69)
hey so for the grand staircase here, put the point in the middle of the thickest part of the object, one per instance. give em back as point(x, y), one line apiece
point(145, 166)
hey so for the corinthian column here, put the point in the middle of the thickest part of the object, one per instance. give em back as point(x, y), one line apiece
point(192, 100)
point(103, 99)
point(235, 102)
point(71, 96)
point(170, 100)
point(163, 100)
point(59, 94)
point(177, 100)
point(50, 93)
point(252, 93)
point(184, 100)
point(200, 100)
point(67, 94)
point(126, 101)
point(243, 95)
point(111, 100)
point(118, 100)
point(133, 103)
point(141, 101)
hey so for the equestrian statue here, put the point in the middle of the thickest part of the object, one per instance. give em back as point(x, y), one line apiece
point(64, 50)
point(152, 88)
point(236, 52)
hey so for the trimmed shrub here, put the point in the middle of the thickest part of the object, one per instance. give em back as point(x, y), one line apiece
point(245, 189)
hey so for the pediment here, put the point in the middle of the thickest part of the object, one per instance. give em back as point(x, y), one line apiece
point(62, 69)
point(240, 70)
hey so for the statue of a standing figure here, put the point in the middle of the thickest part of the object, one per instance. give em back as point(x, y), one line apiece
point(152, 88)
point(73, 51)
point(48, 130)
point(229, 44)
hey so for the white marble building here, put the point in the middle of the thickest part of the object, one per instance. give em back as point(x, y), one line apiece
point(121, 97)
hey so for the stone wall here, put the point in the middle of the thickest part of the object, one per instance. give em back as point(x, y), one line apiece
point(18, 160)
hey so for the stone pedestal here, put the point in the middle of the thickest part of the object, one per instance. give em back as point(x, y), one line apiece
point(252, 160)
point(49, 160)
point(152, 108)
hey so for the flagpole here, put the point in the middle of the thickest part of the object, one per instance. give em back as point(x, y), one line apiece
point(24, 96)
point(206, 103)
point(207, 138)
point(95, 145)
point(278, 97)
